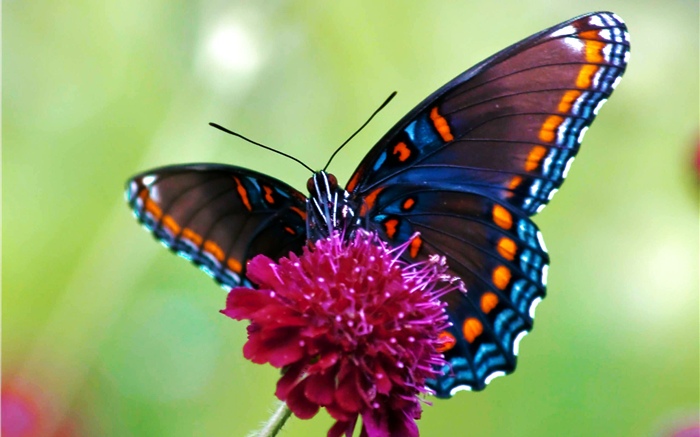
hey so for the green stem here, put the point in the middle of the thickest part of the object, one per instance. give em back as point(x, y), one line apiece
point(276, 421)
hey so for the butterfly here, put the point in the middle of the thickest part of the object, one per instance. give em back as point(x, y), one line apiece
point(466, 168)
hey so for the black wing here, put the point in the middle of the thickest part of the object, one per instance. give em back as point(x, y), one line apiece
point(219, 216)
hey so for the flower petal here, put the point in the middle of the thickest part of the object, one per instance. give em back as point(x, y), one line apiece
point(242, 303)
point(300, 405)
point(320, 387)
point(276, 315)
point(263, 271)
point(327, 360)
point(382, 381)
point(340, 428)
point(340, 414)
point(401, 425)
point(348, 395)
point(289, 379)
point(375, 424)
point(279, 347)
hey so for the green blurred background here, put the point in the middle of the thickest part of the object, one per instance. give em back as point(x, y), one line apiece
point(107, 334)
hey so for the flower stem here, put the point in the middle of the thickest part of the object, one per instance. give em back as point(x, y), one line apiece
point(276, 421)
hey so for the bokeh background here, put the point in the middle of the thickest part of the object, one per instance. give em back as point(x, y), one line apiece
point(107, 334)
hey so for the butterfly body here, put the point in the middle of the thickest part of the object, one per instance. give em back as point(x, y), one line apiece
point(465, 169)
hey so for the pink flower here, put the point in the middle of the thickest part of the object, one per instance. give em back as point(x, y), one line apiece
point(354, 329)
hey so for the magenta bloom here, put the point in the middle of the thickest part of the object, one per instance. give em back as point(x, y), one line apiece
point(354, 329)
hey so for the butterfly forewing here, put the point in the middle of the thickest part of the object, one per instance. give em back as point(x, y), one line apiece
point(511, 124)
point(468, 166)
point(219, 216)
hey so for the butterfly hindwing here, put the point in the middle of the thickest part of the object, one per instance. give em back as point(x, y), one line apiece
point(470, 164)
point(500, 256)
point(219, 216)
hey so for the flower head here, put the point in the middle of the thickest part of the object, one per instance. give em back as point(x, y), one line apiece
point(354, 329)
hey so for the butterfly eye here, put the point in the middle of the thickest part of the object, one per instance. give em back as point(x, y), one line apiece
point(310, 186)
point(332, 181)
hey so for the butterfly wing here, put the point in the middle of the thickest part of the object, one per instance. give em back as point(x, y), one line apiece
point(473, 161)
point(219, 216)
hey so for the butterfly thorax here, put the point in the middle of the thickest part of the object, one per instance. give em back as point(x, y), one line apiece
point(328, 207)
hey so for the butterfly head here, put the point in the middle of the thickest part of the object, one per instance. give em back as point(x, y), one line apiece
point(328, 206)
point(322, 184)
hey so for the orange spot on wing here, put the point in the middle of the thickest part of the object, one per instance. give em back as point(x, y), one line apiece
point(268, 195)
point(390, 227)
point(441, 125)
point(243, 193)
point(589, 34)
point(567, 100)
point(550, 125)
point(446, 341)
point(489, 300)
point(191, 235)
point(534, 157)
point(507, 248)
point(594, 51)
point(234, 265)
point(353, 182)
point(290, 230)
point(416, 244)
point(214, 249)
point(301, 213)
point(150, 206)
point(502, 217)
point(501, 277)
point(402, 150)
point(472, 328)
point(408, 204)
point(585, 76)
point(171, 224)
point(370, 199)
point(514, 182)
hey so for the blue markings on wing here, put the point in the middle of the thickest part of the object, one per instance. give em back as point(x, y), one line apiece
point(522, 295)
point(455, 376)
point(487, 358)
point(507, 325)
point(528, 232)
point(380, 161)
point(531, 265)
point(422, 133)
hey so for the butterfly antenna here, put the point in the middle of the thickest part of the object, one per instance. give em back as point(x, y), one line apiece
point(236, 134)
point(386, 102)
